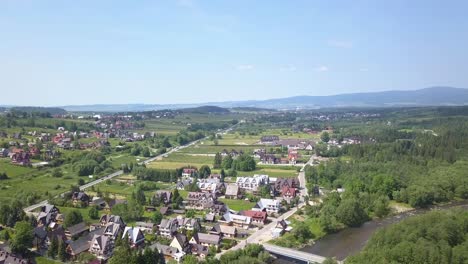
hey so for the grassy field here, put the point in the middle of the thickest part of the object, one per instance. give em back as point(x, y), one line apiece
point(238, 205)
point(272, 172)
point(84, 212)
point(25, 180)
point(44, 260)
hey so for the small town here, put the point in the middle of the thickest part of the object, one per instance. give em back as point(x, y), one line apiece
point(233, 132)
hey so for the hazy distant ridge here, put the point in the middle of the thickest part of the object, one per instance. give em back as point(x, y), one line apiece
point(433, 96)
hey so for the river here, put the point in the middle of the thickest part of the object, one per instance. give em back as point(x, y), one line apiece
point(350, 241)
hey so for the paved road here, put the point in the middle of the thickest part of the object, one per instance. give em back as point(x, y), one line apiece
point(120, 172)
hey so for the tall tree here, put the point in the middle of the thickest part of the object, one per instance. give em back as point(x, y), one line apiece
point(23, 238)
point(62, 251)
point(218, 160)
point(73, 218)
point(53, 248)
point(227, 162)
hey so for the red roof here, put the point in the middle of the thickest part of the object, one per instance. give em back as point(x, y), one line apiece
point(257, 215)
point(288, 191)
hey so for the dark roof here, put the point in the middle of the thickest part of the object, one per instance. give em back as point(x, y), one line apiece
point(40, 232)
point(77, 229)
point(80, 245)
point(164, 210)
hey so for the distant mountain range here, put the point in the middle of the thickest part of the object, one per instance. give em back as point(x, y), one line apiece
point(433, 96)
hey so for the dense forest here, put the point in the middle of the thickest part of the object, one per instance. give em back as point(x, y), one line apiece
point(436, 237)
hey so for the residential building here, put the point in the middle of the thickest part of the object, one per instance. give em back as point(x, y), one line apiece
point(267, 205)
point(168, 227)
point(102, 247)
point(47, 215)
point(180, 242)
point(258, 218)
point(164, 196)
point(235, 220)
point(232, 191)
point(80, 198)
point(206, 240)
point(135, 236)
point(145, 227)
point(199, 200)
point(189, 172)
point(75, 231)
point(252, 183)
point(224, 230)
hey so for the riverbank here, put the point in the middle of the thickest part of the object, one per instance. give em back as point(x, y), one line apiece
point(349, 241)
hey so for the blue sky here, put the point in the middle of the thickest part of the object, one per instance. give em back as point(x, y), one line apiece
point(180, 51)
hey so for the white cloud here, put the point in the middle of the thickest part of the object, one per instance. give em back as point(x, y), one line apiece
point(321, 68)
point(340, 44)
point(289, 68)
point(245, 67)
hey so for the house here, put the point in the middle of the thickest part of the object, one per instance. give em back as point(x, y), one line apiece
point(4, 152)
point(145, 227)
point(76, 230)
point(105, 219)
point(56, 232)
point(280, 183)
point(180, 242)
point(20, 158)
point(206, 239)
point(83, 244)
point(113, 230)
point(288, 193)
point(102, 247)
point(199, 250)
point(293, 156)
point(169, 252)
point(267, 205)
point(210, 217)
point(47, 215)
point(258, 218)
point(181, 184)
point(199, 200)
point(252, 183)
point(168, 227)
point(224, 230)
point(269, 159)
point(135, 236)
point(280, 228)
point(40, 236)
point(188, 223)
point(164, 196)
point(9, 258)
point(189, 172)
point(268, 139)
point(210, 185)
point(99, 202)
point(232, 191)
point(218, 208)
point(80, 198)
point(164, 210)
point(235, 220)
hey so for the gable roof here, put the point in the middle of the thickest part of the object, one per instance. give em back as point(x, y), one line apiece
point(232, 189)
point(77, 229)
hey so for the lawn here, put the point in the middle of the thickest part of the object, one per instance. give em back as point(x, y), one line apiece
point(44, 260)
point(272, 172)
point(84, 212)
point(238, 205)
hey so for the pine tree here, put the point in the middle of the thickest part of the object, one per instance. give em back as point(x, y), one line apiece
point(62, 251)
point(53, 248)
